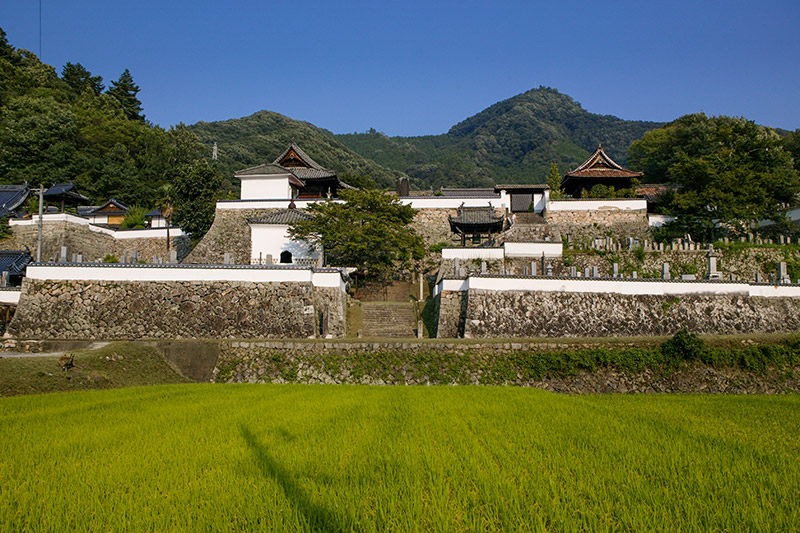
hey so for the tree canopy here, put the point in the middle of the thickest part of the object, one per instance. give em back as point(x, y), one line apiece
point(369, 230)
point(728, 170)
point(194, 194)
point(67, 129)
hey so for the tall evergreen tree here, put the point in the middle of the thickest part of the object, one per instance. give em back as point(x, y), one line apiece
point(554, 182)
point(124, 90)
point(80, 79)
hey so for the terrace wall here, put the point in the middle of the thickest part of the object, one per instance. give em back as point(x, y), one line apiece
point(94, 302)
point(92, 242)
point(550, 307)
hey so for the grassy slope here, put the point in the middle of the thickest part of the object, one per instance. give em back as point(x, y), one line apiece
point(113, 366)
point(264, 457)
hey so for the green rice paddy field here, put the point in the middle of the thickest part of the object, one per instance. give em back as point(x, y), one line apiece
point(333, 458)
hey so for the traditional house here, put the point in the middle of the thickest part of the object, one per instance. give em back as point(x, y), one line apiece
point(156, 218)
point(293, 174)
point(270, 242)
point(111, 213)
point(599, 169)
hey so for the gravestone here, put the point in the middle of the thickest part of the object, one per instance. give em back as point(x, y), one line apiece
point(64, 257)
point(783, 275)
point(615, 270)
point(634, 274)
point(573, 271)
point(595, 272)
point(712, 264)
point(665, 271)
point(483, 267)
point(586, 272)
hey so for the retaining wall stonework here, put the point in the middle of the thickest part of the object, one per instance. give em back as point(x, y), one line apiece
point(582, 225)
point(562, 314)
point(175, 309)
point(230, 233)
point(94, 246)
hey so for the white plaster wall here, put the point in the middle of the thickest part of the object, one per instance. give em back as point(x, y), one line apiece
point(326, 278)
point(158, 222)
point(268, 204)
point(598, 204)
point(472, 253)
point(10, 297)
point(631, 287)
point(144, 233)
point(98, 219)
point(265, 187)
point(539, 203)
point(441, 202)
point(273, 239)
point(533, 249)
point(656, 221)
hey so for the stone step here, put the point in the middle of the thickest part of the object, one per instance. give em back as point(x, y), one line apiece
point(388, 320)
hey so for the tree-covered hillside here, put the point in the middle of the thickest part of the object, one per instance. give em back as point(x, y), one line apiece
point(261, 137)
point(513, 141)
point(66, 128)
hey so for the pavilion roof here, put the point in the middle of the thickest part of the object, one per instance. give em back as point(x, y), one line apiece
point(600, 165)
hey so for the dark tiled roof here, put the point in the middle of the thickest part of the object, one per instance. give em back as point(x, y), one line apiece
point(65, 192)
point(469, 193)
point(11, 197)
point(284, 216)
point(154, 213)
point(521, 187)
point(478, 219)
point(310, 174)
point(111, 207)
point(14, 261)
point(301, 154)
point(261, 170)
point(600, 165)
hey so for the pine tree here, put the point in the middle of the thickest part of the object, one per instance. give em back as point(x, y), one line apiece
point(124, 90)
point(80, 79)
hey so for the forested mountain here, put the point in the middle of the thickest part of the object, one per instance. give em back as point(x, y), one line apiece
point(263, 136)
point(513, 141)
point(66, 128)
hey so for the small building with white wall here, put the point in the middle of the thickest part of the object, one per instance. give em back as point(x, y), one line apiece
point(270, 242)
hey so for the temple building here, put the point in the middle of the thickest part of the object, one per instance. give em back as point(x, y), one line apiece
point(599, 169)
point(293, 174)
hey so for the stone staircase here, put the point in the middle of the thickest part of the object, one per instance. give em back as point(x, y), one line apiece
point(388, 319)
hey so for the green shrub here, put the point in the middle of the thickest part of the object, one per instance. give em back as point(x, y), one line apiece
point(135, 218)
point(683, 346)
point(110, 258)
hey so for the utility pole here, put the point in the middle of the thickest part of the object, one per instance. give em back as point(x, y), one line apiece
point(39, 243)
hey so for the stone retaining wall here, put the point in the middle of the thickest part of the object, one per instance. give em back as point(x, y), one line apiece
point(561, 314)
point(230, 233)
point(583, 225)
point(175, 309)
point(92, 245)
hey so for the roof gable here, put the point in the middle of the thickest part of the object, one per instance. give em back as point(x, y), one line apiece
point(600, 164)
point(294, 157)
point(111, 206)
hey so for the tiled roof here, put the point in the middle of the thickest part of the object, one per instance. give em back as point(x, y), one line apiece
point(301, 154)
point(469, 193)
point(65, 192)
point(261, 170)
point(111, 207)
point(538, 187)
point(310, 174)
point(14, 261)
point(476, 215)
point(284, 216)
point(600, 165)
point(11, 197)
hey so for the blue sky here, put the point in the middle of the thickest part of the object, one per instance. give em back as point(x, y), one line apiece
point(415, 68)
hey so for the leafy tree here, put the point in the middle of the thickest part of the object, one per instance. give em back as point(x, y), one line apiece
point(195, 192)
point(729, 170)
point(81, 79)
point(791, 143)
point(124, 90)
point(554, 182)
point(369, 231)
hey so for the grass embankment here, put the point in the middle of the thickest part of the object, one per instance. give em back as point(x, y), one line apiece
point(117, 365)
point(300, 457)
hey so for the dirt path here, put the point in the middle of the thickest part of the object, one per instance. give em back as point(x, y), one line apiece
point(93, 346)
